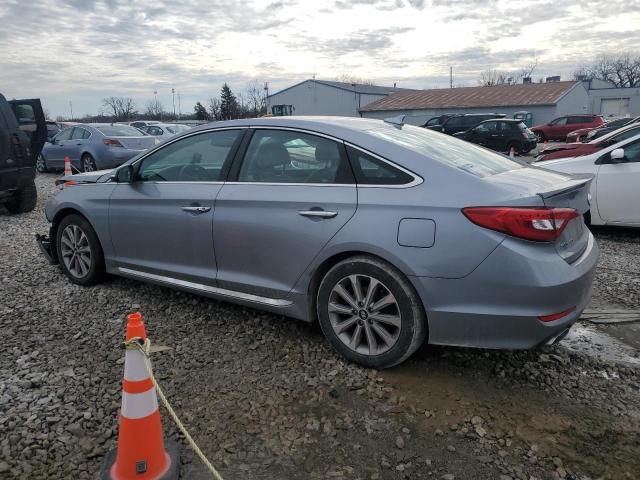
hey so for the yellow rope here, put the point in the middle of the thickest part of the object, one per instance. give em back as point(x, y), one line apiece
point(135, 343)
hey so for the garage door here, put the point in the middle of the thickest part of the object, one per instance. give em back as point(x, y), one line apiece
point(614, 106)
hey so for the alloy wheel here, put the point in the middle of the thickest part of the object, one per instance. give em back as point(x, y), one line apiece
point(87, 164)
point(364, 314)
point(76, 252)
point(40, 164)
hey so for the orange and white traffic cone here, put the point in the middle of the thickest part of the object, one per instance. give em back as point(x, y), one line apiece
point(67, 166)
point(141, 452)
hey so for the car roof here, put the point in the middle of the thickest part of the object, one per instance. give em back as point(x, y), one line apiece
point(510, 120)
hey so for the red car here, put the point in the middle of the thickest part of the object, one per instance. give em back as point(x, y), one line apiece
point(586, 134)
point(564, 150)
point(559, 128)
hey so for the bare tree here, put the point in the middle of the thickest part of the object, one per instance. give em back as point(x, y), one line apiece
point(120, 108)
point(622, 71)
point(491, 77)
point(349, 78)
point(214, 108)
point(154, 109)
point(256, 99)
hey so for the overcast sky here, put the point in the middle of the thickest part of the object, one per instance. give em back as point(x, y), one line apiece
point(83, 50)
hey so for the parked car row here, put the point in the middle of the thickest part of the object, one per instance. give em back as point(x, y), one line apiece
point(98, 146)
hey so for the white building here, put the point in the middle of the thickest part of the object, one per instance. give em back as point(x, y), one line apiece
point(322, 97)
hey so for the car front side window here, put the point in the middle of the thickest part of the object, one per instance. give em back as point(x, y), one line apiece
point(64, 135)
point(196, 158)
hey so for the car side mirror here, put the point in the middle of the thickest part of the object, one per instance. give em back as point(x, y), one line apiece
point(617, 156)
point(125, 174)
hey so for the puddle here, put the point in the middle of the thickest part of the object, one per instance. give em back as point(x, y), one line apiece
point(589, 340)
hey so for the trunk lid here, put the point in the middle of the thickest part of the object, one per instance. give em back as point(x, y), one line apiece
point(85, 177)
point(136, 143)
point(539, 187)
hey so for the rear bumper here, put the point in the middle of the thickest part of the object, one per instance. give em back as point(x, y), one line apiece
point(498, 304)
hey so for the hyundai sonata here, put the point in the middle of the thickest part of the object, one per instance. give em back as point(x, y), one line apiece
point(385, 233)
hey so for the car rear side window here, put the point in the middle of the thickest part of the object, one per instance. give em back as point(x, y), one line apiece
point(370, 170)
point(120, 131)
point(283, 156)
point(196, 158)
point(450, 151)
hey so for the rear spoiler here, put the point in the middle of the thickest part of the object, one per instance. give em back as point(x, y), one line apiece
point(576, 182)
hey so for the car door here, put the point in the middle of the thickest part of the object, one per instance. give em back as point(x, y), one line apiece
point(31, 120)
point(161, 222)
point(489, 133)
point(79, 139)
point(289, 195)
point(618, 187)
point(557, 130)
point(57, 149)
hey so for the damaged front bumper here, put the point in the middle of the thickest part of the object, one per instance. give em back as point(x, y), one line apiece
point(47, 248)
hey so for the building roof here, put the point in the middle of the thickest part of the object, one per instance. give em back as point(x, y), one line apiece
point(352, 87)
point(468, 97)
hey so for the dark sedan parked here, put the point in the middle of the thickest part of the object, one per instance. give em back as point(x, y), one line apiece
point(501, 135)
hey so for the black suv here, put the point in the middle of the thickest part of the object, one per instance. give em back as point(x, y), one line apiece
point(461, 123)
point(23, 132)
point(437, 121)
point(501, 135)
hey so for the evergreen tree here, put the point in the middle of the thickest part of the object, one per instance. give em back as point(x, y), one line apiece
point(228, 103)
point(201, 112)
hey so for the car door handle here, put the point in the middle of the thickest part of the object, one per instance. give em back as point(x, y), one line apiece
point(196, 209)
point(317, 213)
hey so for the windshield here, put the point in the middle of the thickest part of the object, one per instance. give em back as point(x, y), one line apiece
point(177, 128)
point(448, 150)
point(120, 131)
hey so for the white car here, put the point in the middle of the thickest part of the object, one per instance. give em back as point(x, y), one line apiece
point(164, 130)
point(615, 190)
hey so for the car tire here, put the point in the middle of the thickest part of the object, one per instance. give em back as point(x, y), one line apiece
point(87, 163)
point(79, 251)
point(389, 323)
point(41, 164)
point(25, 199)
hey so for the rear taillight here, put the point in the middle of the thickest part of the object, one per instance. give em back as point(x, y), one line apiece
point(537, 224)
point(111, 142)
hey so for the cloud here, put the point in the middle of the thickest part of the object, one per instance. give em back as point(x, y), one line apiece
point(83, 50)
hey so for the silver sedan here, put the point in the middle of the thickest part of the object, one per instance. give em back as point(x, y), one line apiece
point(389, 235)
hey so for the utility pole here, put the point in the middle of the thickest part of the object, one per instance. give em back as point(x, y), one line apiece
point(173, 95)
point(71, 108)
point(266, 98)
point(155, 99)
point(179, 107)
point(450, 77)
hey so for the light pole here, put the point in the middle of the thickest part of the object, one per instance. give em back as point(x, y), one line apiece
point(179, 107)
point(173, 95)
point(155, 104)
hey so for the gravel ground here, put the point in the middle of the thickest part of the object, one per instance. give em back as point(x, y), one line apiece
point(266, 398)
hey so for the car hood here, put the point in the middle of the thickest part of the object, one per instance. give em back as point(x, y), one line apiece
point(86, 177)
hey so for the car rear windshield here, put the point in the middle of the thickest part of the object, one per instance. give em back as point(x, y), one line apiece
point(448, 150)
point(120, 131)
point(178, 128)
